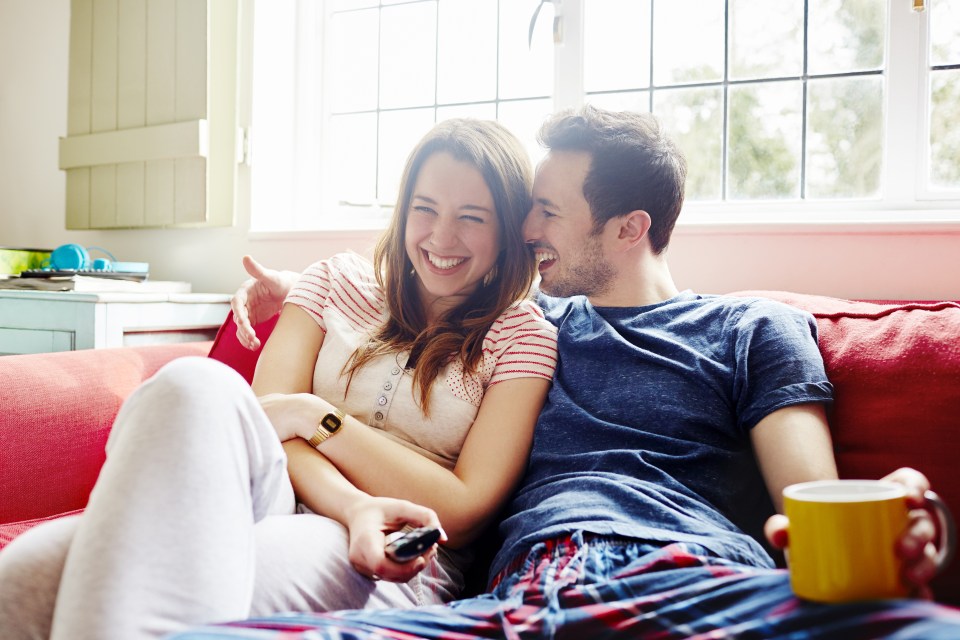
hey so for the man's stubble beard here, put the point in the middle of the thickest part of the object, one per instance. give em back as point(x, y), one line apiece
point(592, 275)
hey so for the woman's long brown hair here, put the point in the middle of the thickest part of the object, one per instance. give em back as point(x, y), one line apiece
point(459, 332)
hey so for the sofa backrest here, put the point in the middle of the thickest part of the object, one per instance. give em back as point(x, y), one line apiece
point(228, 350)
point(895, 368)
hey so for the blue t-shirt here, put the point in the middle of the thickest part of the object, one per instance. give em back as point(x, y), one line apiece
point(646, 431)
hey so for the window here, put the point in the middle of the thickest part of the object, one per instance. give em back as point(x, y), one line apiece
point(780, 99)
point(782, 106)
point(944, 92)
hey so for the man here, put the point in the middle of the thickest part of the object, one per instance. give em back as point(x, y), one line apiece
point(672, 419)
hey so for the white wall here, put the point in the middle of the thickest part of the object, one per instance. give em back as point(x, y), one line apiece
point(33, 106)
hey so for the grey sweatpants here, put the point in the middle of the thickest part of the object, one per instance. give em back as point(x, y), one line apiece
point(192, 520)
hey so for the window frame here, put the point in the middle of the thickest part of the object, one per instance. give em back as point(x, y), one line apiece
point(906, 204)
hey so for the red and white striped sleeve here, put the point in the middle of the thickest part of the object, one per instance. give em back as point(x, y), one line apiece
point(520, 344)
point(344, 285)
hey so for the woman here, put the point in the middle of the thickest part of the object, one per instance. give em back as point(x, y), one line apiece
point(417, 382)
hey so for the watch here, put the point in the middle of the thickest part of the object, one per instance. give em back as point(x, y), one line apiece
point(329, 425)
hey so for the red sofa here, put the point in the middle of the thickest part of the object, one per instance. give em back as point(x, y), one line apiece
point(895, 367)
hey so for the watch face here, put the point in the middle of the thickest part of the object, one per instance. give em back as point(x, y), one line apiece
point(331, 422)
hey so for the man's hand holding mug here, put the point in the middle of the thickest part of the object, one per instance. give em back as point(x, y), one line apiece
point(858, 539)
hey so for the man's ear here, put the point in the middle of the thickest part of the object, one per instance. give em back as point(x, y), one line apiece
point(634, 227)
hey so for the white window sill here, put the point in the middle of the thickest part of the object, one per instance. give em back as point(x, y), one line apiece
point(340, 233)
point(753, 220)
point(702, 220)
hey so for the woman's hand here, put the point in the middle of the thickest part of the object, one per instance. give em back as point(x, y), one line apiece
point(294, 415)
point(368, 522)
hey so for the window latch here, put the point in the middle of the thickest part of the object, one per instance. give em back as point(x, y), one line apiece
point(557, 23)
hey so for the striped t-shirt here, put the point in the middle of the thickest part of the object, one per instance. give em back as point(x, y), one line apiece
point(343, 296)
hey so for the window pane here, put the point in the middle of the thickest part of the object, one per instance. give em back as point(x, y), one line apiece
point(694, 119)
point(353, 60)
point(525, 72)
point(523, 118)
point(944, 132)
point(766, 39)
point(408, 37)
point(621, 100)
point(765, 130)
point(399, 132)
point(607, 64)
point(944, 32)
point(481, 110)
point(688, 41)
point(467, 56)
point(352, 158)
point(339, 5)
point(846, 35)
point(844, 137)
point(271, 180)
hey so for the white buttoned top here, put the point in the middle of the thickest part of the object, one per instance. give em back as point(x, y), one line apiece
point(343, 296)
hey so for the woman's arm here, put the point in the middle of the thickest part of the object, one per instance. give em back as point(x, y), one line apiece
point(492, 460)
point(490, 464)
point(285, 373)
point(288, 359)
point(320, 486)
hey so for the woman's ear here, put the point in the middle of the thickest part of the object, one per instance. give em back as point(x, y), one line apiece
point(634, 227)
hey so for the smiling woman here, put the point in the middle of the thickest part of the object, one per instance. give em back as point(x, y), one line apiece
point(383, 387)
point(453, 235)
point(454, 251)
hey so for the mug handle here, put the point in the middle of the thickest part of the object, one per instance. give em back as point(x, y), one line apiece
point(947, 529)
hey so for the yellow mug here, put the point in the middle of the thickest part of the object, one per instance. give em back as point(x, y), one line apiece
point(843, 535)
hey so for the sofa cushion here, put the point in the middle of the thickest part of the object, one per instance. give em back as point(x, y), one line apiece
point(57, 411)
point(228, 350)
point(895, 368)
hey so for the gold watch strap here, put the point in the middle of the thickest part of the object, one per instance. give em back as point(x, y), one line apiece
point(322, 433)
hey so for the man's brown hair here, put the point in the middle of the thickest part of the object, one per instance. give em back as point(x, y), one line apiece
point(634, 165)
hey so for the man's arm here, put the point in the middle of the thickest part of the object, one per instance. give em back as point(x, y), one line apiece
point(793, 445)
point(259, 298)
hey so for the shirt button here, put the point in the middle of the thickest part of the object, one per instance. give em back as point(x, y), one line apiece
point(388, 386)
point(378, 415)
point(395, 371)
point(382, 400)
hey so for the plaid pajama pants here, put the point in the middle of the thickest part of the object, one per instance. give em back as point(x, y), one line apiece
point(592, 587)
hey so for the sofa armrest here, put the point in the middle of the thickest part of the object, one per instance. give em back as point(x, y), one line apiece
point(57, 411)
